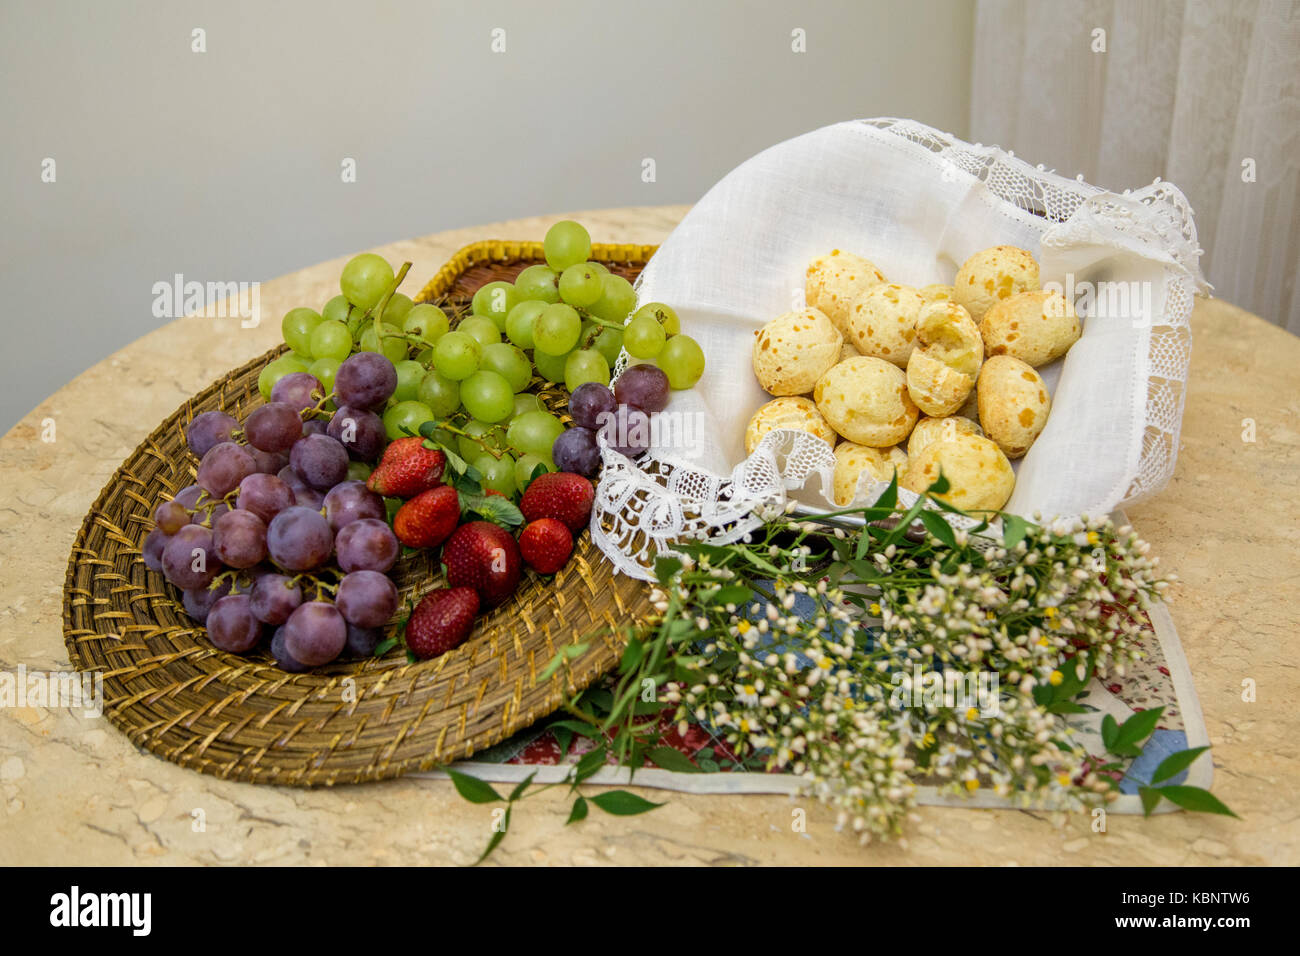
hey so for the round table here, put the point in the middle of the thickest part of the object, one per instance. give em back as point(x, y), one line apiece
point(74, 790)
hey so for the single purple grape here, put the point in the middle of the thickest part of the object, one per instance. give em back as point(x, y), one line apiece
point(198, 603)
point(303, 493)
point(366, 544)
point(300, 390)
point(362, 641)
point(208, 429)
point(576, 451)
point(283, 658)
point(627, 430)
point(274, 597)
point(320, 461)
point(239, 539)
point(231, 625)
point(349, 501)
point(170, 517)
point(223, 467)
point(299, 539)
point(588, 402)
point(315, 426)
point(361, 432)
point(365, 380)
point(188, 560)
point(266, 462)
point(188, 497)
point(274, 427)
point(643, 386)
point(315, 633)
point(152, 549)
point(366, 598)
point(264, 495)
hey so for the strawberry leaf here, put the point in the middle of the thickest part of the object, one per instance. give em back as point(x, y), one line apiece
point(494, 508)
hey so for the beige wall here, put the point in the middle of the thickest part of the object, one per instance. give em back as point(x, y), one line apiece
point(225, 165)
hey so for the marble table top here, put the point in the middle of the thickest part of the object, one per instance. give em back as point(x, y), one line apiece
point(74, 790)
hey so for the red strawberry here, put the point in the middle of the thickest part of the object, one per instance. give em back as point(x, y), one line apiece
point(483, 556)
point(407, 469)
point(428, 519)
point(546, 545)
point(442, 620)
point(561, 495)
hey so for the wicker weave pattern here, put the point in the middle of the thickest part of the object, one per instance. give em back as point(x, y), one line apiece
point(174, 694)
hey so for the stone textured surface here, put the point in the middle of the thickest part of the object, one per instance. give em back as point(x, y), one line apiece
point(73, 790)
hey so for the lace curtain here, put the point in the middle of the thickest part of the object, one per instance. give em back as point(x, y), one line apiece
point(1204, 93)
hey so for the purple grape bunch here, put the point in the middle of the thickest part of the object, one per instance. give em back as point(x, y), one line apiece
point(274, 546)
point(621, 415)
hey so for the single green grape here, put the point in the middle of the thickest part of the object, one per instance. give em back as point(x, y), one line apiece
point(550, 367)
point(534, 433)
point(427, 322)
point(520, 321)
point(508, 362)
point(275, 370)
point(662, 314)
point(296, 328)
point(585, 365)
point(556, 330)
point(567, 243)
point(489, 435)
point(440, 393)
point(498, 473)
point(538, 283)
point(617, 299)
point(336, 309)
point(331, 339)
point(409, 376)
point(392, 348)
point(456, 356)
point(405, 418)
point(398, 308)
point(358, 471)
point(682, 360)
point(527, 402)
point(487, 396)
point(609, 343)
point(481, 327)
point(599, 267)
point(325, 369)
point(643, 337)
point(365, 279)
point(495, 300)
point(526, 465)
point(581, 285)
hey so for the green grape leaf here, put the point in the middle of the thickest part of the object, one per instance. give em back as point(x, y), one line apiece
point(579, 811)
point(1196, 799)
point(622, 803)
point(1176, 763)
point(670, 759)
point(472, 788)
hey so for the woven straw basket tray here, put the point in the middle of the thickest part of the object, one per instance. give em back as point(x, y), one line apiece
point(174, 694)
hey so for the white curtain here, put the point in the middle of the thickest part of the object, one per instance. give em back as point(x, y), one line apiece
point(1203, 93)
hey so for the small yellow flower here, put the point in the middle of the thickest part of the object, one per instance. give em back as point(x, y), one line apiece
point(1063, 779)
point(744, 725)
point(927, 741)
point(1044, 642)
point(875, 610)
point(1093, 538)
point(1049, 612)
point(1056, 678)
point(825, 663)
point(972, 785)
point(972, 713)
point(743, 627)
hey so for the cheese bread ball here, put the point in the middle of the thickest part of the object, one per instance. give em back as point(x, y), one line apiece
point(798, 413)
point(929, 430)
point(832, 282)
point(794, 350)
point(1035, 327)
point(942, 370)
point(865, 399)
point(937, 292)
point(851, 460)
point(979, 475)
point(992, 275)
point(882, 322)
point(848, 351)
point(1013, 403)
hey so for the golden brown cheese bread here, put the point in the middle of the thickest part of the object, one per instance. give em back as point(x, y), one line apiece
point(979, 476)
point(852, 459)
point(882, 322)
point(832, 282)
point(992, 275)
point(942, 370)
point(865, 400)
point(929, 430)
point(789, 412)
point(794, 350)
point(1013, 403)
point(1036, 327)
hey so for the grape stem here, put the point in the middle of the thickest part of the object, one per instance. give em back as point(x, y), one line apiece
point(378, 308)
point(599, 321)
point(448, 426)
point(318, 408)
